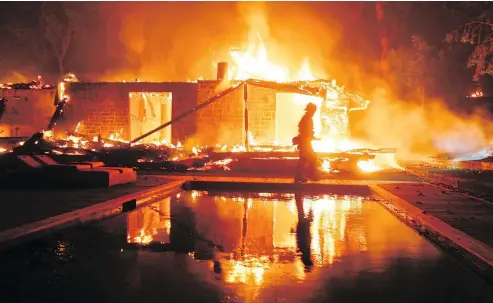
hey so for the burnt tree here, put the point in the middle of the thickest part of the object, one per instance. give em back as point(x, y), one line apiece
point(475, 29)
point(59, 23)
point(480, 35)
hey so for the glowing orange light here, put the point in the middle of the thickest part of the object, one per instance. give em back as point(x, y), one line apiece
point(476, 94)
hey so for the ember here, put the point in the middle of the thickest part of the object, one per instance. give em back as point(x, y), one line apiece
point(34, 84)
point(476, 94)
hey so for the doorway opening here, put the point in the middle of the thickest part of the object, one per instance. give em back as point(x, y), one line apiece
point(149, 110)
point(289, 110)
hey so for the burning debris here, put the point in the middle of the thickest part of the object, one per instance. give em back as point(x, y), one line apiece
point(476, 94)
point(34, 84)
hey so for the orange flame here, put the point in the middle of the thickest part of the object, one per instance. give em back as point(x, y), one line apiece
point(255, 62)
point(476, 94)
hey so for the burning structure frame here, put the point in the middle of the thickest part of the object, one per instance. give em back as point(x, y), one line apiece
point(336, 105)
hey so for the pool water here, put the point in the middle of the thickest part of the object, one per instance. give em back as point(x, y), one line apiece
point(201, 246)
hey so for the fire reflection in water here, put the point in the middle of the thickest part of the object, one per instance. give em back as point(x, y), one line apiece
point(258, 230)
point(150, 224)
point(261, 230)
point(260, 239)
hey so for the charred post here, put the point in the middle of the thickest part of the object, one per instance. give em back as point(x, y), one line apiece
point(3, 106)
point(57, 114)
point(245, 99)
point(222, 71)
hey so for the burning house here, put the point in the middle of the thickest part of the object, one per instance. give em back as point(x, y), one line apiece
point(258, 112)
point(253, 112)
point(253, 105)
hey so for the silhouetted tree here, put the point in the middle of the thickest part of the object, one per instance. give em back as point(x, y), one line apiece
point(414, 69)
point(476, 30)
point(480, 35)
point(22, 48)
point(60, 23)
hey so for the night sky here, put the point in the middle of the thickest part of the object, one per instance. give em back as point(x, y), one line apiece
point(180, 40)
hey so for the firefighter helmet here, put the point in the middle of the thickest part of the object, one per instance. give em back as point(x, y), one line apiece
point(310, 107)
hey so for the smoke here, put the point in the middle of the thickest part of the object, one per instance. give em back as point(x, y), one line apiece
point(18, 77)
point(166, 41)
point(418, 131)
point(292, 33)
point(173, 41)
point(180, 41)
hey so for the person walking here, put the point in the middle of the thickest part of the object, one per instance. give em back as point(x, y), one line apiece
point(307, 163)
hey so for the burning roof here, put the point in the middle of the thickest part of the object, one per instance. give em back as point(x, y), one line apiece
point(38, 83)
point(324, 89)
point(30, 85)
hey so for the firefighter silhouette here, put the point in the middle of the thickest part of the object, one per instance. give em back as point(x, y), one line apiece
point(307, 163)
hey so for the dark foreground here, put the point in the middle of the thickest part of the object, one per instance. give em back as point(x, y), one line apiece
point(240, 248)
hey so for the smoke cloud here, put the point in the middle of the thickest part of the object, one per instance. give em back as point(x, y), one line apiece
point(173, 41)
point(418, 131)
point(178, 41)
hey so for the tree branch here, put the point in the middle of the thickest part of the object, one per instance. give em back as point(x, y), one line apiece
point(480, 34)
point(58, 30)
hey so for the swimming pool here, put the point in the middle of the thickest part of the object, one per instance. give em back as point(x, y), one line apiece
point(219, 246)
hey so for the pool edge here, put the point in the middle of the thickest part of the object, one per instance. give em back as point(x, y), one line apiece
point(470, 251)
point(96, 211)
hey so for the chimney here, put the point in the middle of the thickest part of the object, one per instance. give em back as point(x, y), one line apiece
point(222, 71)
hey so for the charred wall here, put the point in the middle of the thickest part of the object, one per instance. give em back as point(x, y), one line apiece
point(262, 114)
point(104, 108)
point(28, 111)
point(223, 121)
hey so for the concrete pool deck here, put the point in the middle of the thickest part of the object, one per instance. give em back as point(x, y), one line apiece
point(450, 218)
point(477, 183)
point(27, 212)
point(459, 223)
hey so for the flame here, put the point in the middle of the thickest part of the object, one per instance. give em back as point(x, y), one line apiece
point(70, 77)
point(255, 62)
point(251, 139)
point(62, 86)
point(477, 93)
point(62, 91)
point(142, 238)
point(328, 145)
point(76, 130)
point(116, 136)
point(326, 166)
point(48, 134)
point(368, 166)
